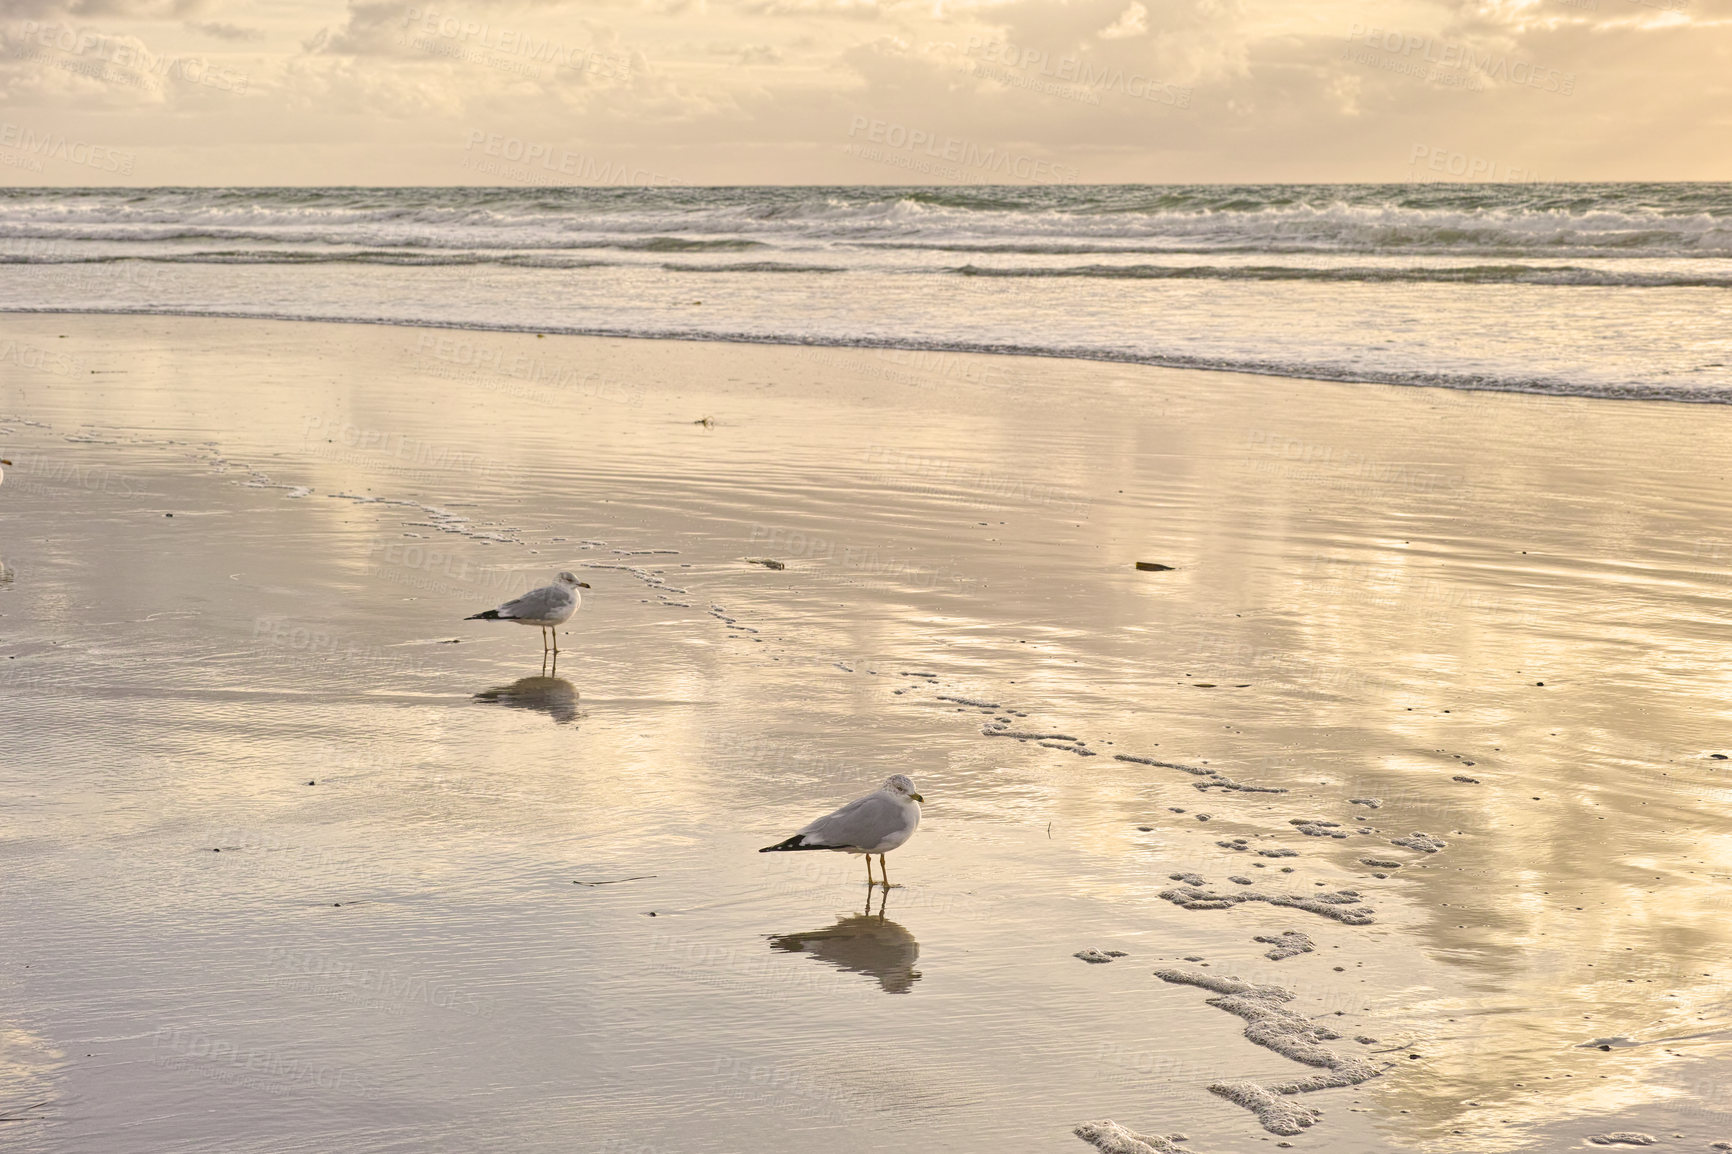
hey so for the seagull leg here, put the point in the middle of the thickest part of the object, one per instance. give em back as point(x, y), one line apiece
point(555, 631)
point(869, 882)
point(885, 870)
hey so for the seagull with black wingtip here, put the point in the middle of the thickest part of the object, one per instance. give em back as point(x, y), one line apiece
point(549, 607)
point(874, 824)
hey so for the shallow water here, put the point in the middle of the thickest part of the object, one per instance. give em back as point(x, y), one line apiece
point(447, 941)
point(1604, 290)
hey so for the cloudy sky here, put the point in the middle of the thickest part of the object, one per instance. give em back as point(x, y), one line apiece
point(160, 92)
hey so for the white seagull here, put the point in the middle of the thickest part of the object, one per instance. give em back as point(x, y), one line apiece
point(874, 824)
point(549, 607)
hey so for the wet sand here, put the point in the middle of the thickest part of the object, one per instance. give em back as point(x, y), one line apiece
point(299, 859)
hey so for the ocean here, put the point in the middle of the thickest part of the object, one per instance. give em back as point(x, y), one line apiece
point(1601, 290)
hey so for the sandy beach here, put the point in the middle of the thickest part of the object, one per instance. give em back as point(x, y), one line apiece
point(298, 859)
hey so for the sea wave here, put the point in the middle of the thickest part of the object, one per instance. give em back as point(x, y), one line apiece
point(1487, 220)
point(304, 257)
point(754, 266)
point(1606, 274)
point(1298, 369)
point(1461, 274)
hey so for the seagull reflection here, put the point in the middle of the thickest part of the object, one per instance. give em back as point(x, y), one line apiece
point(554, 696)
point(865, 943)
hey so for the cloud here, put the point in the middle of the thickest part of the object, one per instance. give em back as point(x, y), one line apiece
point(1133, 22)
point(82, 69)
point(767, 90)
point(373, 28)
point(117, 9)
point(222, 31)
point(846, 9)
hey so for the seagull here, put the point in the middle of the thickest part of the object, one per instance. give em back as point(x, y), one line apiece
point(874, 824)
point(549, 607)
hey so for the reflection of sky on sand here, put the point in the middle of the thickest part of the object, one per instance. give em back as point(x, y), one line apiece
point(29, 1082)
point(1389, 634)
point(865, 943)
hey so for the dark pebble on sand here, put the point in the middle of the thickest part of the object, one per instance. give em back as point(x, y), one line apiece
point(1153, 567)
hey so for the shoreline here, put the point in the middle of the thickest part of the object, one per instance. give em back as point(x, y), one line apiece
point(1487, 619)
point(1536, 388)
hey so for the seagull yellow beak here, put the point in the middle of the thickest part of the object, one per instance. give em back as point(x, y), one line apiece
point(916, 797)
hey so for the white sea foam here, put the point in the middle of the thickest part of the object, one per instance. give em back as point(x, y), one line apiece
point(1594, 290)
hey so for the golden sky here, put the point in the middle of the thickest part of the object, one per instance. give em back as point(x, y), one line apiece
point(387, 92)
